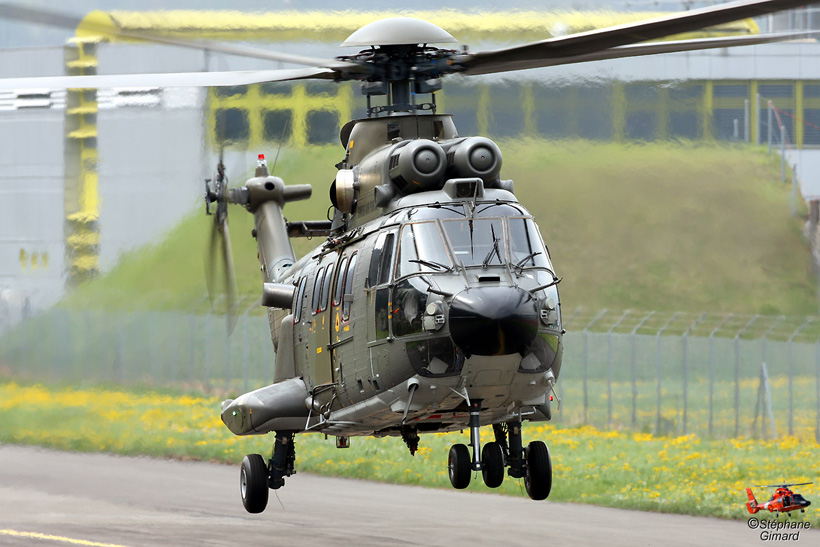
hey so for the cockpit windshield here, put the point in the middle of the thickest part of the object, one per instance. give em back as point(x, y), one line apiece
point(422, 249)
point(431, 246)
point(526, 249)
point(478, 241)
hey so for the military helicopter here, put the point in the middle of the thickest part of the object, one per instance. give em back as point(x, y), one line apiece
point(782, 501)
point(432, 304)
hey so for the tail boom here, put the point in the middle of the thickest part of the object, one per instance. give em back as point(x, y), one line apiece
point(752, 505)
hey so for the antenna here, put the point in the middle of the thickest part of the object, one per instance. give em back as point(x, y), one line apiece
point(279, 148)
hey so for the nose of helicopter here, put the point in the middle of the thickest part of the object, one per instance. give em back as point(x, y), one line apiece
point(493, 320)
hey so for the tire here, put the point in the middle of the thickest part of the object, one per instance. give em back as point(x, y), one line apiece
point(538, 479)
point(492, 455)
point(253, 483)
point(460, 466)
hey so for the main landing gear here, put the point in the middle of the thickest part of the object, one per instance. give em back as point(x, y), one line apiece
point(532, 463)
point(256, 478)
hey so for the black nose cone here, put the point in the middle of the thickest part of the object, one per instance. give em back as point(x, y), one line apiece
point(493, 320)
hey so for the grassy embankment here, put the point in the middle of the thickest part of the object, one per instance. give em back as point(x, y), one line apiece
point(659, 226)
point(630, 470)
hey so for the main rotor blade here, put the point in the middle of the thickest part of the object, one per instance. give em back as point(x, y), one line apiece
point(56, 19)
point(170, 79)
point(637, 50)
point(593, 41)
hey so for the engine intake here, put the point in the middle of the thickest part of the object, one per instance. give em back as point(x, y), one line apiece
point(419, 165)
point(475, 157)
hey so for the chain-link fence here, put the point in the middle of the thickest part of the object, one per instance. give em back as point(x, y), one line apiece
point(664, 373)
point(678, 373)
point(140, 348)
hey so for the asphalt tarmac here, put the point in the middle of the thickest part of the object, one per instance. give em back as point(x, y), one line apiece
point(56, 498)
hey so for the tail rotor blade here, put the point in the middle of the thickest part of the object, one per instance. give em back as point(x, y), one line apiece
point(210, 263)
point(230, 277)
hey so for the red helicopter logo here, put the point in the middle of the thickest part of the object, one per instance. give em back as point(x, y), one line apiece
point(782, 501)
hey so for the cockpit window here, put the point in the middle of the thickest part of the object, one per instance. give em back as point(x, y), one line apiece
point(421, 250)
point(498, 210)
point(526, 249)
point(452, 210)
point(477, 242)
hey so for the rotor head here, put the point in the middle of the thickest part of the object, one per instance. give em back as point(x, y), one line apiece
point(398, 31)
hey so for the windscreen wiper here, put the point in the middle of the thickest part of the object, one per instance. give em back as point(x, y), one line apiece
point(435, 265)
point(493, 251)
point(520, 263)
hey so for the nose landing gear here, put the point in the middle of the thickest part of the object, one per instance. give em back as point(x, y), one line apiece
point(533, 464)
point(256, 478)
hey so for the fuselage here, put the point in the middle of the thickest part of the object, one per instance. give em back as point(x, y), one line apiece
point(444, 294)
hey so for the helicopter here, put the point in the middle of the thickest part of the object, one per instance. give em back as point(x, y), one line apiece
point(782, 501)
point(432, 303)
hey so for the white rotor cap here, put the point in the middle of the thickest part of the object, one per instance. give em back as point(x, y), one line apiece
point(396, 31)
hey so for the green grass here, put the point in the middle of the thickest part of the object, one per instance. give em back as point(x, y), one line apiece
point(658, 226)
point(686, 474)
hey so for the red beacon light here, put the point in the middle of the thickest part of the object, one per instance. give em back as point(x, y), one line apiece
point(261, 160)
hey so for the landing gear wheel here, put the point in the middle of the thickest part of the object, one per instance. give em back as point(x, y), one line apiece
point(538, 479)
point(460, 466)
point(253, 483)
point(493, 457)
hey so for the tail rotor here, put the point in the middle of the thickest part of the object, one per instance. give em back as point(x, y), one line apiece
point(220, 242)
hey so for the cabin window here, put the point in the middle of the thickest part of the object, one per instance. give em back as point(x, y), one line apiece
point(300, 296)
point(386, 259)
point(422, 249)
point(381, 260)
point(477, 242)
point(340, 279)
point(317, 289)
point(526, 248)
point(351, 269)
point(323, 297)
point(382, 313)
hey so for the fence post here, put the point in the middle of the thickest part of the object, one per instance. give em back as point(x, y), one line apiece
point(791, 373)
point(769, 124)
point(634, 371)
point(686, 367)
point(737, 371)
point(783, 153)
point(712, 371)
point(191, 346)
point(586, 372)
point(746, 118)
point(119, 362)
point(658, 364)
point(609, 370)
point(757, 118)
point(794, 191)
point(207, 347)
point(586, 360)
